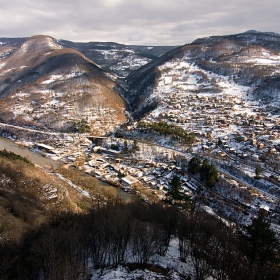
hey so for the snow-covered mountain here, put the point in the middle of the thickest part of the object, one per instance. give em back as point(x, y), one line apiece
point(48, 86)
point(118, 58)
point(250, 60)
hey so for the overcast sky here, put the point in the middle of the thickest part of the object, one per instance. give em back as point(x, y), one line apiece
point(139, 22)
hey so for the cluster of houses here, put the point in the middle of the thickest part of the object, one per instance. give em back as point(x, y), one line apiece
point(115, 166)
point(150, 166)
point(246, 127)
point(145, 168)
point(224, 116)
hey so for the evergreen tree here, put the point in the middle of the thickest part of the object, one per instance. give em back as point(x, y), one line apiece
point(125, 145)
point(115, 147)
point(260, 244)
point(175, 188)
point(134, 145)
point(81, 126)
point(258, 172)
point(209, 173)
point(120, 174)
point(194, 165)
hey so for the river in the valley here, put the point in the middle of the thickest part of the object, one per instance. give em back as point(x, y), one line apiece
point(10, 146)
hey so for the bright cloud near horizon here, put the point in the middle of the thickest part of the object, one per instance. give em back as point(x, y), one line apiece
point(137, 22)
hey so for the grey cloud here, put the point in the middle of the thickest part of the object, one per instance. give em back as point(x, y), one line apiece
point(158, 22)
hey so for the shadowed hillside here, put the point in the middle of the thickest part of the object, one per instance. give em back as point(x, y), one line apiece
point(50, 87)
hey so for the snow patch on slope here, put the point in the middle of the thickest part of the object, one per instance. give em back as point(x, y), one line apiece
point(171, 260)
point(54, 78)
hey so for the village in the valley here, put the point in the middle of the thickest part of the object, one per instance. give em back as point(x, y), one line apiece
point(236, 135)
point(234, 132)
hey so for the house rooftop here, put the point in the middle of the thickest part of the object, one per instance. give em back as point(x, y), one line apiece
point(129, 180)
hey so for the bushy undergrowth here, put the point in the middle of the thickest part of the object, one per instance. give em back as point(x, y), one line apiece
point(13, 156)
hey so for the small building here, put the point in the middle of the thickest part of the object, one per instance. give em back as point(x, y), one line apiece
point(129, 181)
point(45, 148)
point(260, 145)
point(204, 147)
point(96, 149)
point(253, 141)
point(264, 210)
point(255, 157)
point(178, 169)
point(242, 138)
point(97, 140)
point(110, 152)
point(168, 80)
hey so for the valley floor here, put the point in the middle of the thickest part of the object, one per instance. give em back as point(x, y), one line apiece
point(237, 197)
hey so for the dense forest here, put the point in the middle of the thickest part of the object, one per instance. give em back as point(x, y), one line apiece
point(116, 233)
point(163, 128)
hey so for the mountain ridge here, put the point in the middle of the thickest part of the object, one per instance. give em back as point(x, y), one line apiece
point(254, 65)
point(58, 83)
point(119, 81)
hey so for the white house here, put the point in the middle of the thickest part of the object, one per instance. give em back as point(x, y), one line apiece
point(129, 181)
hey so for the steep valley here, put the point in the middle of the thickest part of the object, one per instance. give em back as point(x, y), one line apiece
point(192, 131)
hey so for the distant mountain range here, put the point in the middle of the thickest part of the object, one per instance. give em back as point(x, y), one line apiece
point(118, 59)
point(51, 84)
